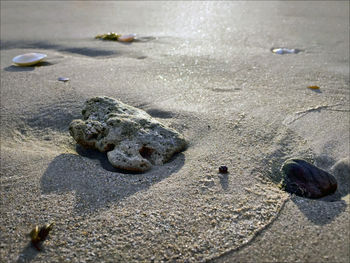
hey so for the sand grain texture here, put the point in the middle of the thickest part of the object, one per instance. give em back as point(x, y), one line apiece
point(235, 102)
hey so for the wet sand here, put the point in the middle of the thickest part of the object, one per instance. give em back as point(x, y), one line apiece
point(205, 69)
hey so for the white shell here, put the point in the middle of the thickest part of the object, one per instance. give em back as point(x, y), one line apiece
point(127, 38)
point(28, 59)
point(283, 50)
point(63, 79)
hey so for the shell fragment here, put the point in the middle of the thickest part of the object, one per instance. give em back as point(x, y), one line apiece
point(28, 59)
point(284, 50)
point(63, 79)
point(127, 38)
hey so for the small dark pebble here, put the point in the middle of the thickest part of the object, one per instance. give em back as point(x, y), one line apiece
point(223, 169)
point(304, 179)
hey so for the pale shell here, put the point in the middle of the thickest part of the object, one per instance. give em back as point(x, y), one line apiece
point(284, 50)
point(28, 59)
point(63, 79)
point(127, 38)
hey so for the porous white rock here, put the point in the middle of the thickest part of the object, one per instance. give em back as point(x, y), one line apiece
point(133, 140)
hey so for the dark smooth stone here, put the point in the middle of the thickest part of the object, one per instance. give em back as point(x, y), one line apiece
point(304, 179)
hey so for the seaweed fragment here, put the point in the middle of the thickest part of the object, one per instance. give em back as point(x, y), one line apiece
point(39, 235)
point(109, 36)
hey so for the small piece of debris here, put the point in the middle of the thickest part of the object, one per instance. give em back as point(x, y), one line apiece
point(284, 50)
point(116, 37)
point(313, 87)
point(39, 235)
point(223, 169)
point(63, 79)
point(108, 36)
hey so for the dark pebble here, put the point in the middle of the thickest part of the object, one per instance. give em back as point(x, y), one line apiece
point(223, 169)
point(304, 179)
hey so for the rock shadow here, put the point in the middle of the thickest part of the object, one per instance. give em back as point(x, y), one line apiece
point(55, 116)
point(14, 68)
point(90, 52)
point(319, 211)
point(101, 158)
point(85, 51)
point(96, 183)
point(144, 39)
point(316, 90)
point(224, 181)
point(162, 114)
point(28, 254)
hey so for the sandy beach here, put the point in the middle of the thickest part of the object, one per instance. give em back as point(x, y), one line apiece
point(205, 69)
